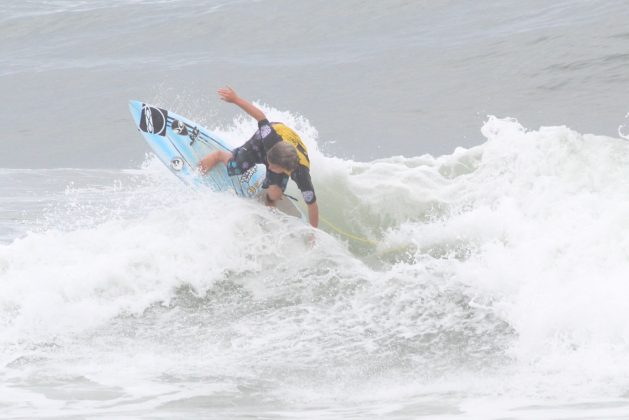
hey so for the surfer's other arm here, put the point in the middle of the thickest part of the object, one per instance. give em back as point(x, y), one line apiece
point(213, 158)
point(313, 214)
point(229, 95)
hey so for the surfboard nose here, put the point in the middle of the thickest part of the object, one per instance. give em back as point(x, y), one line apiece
point(135, 107)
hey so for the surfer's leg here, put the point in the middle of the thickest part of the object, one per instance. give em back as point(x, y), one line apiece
point(273, 194)
point(275, 184)
point(213, 158)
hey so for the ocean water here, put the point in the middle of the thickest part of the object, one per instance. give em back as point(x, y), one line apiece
point(486, 272)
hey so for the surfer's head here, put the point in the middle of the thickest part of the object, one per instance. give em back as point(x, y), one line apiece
point(282, 157)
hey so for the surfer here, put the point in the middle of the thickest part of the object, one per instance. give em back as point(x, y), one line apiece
point(276, 146)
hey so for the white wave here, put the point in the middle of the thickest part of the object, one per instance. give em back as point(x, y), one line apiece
point(506, 260)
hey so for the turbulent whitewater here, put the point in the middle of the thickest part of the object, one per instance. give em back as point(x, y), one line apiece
point(498, 274)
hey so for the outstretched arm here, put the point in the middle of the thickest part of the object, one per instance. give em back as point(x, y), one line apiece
point(229, 95)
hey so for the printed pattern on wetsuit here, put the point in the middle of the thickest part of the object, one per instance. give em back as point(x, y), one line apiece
point(254, 150)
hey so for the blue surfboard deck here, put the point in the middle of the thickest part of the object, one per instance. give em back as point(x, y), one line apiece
point(181, 144)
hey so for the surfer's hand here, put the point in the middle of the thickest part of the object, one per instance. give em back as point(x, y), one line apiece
point(228, 94)
point(311, 239)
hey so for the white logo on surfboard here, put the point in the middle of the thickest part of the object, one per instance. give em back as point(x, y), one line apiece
point(176, 163)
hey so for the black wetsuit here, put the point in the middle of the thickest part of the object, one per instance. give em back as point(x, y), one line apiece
point(254, 152)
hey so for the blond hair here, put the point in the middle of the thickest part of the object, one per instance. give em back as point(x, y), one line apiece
point(283, 154)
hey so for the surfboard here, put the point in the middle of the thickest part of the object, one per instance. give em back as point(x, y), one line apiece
point(180, 144)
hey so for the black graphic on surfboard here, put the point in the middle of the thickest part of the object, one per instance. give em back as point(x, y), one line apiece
point(194, 135)
point(179, 127)
point(153, 120)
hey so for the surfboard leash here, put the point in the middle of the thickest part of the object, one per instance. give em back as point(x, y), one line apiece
point(338, 229)
point(352, 236)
